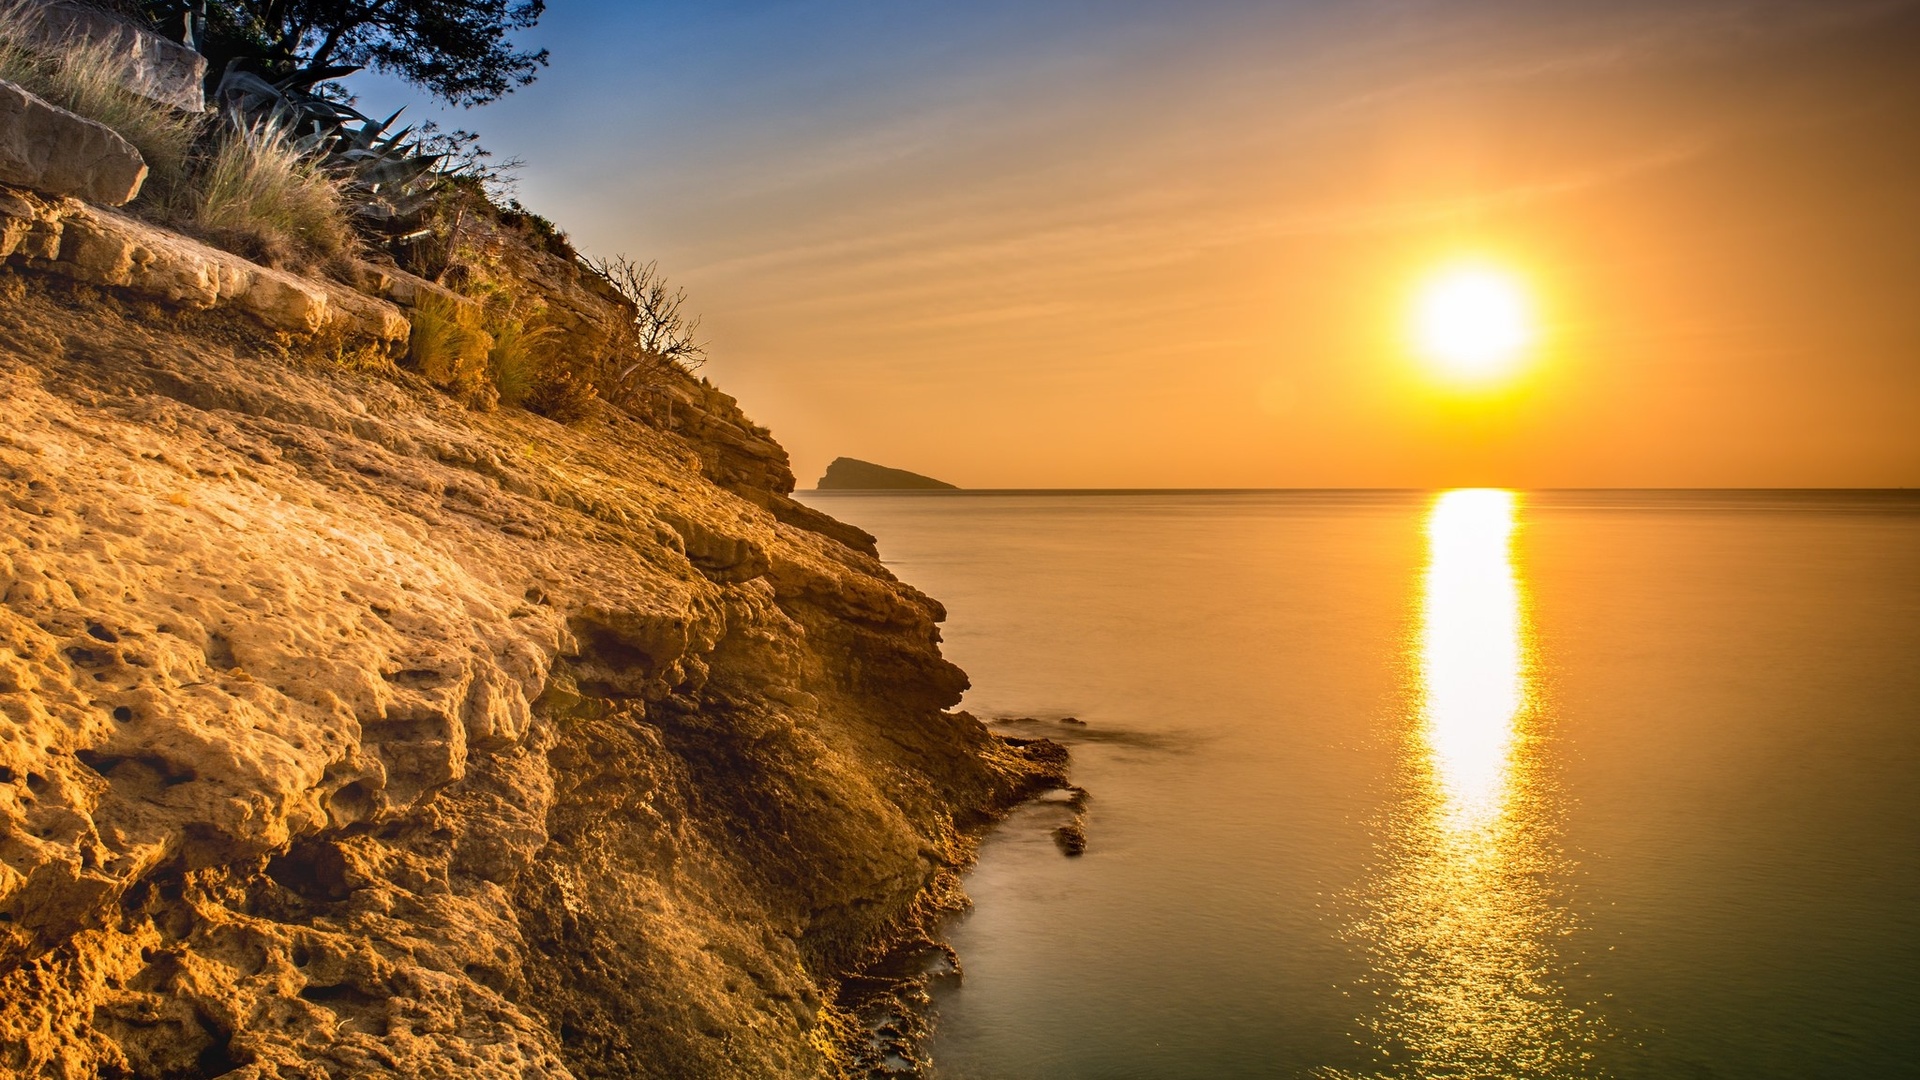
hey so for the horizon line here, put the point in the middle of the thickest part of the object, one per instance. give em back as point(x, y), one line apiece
point(1378, 490)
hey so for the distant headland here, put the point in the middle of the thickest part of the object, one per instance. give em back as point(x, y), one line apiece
point(852, 474)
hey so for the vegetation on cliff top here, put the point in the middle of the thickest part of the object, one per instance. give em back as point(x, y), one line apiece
point(84, 77)
point(287, 172)
point(461, 51)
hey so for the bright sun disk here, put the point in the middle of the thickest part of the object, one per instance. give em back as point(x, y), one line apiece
point(1472, 321)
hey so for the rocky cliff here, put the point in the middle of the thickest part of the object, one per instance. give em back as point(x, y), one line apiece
point(346, 731)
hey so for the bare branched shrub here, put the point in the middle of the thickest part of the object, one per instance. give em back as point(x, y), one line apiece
point(659, 340)
point(85, 77)
point(563, 394)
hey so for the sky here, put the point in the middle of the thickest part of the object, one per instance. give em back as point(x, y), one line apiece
point(1122, 244)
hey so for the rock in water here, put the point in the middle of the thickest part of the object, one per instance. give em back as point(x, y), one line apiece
point(852, 474)
point(1072, 838)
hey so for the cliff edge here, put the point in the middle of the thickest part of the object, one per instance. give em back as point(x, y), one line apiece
point(348, 731)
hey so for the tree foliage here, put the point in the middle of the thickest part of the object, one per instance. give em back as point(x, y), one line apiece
point(461, 51)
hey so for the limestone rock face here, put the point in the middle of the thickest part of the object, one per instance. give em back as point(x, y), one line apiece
point(49, 149)
point(345, 732)
point(96, 247)
point(150, 65)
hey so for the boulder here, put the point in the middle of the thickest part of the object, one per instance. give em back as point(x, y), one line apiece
point(149, 65)
point(49, 149)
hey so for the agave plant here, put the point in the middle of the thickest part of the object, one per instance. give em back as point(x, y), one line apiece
point(387, 177)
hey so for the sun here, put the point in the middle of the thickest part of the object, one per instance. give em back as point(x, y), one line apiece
point(1472, 321)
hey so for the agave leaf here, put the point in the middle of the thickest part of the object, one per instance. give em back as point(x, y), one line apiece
point(308, 78)
point(409, 205)
point(395, 215)
point(372, 130)
point(393, 141)
point(333, 111)
point(245, 84)
point(396, 171)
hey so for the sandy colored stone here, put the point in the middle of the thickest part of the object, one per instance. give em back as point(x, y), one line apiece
point(346, 732)
point(106, 248)
point(49, 149)
point(149, 65)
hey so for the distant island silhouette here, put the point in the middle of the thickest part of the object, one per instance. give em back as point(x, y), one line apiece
point(852, 474)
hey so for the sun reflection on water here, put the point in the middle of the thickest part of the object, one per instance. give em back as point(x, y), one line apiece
point(1471, 677)
point(1464, 922)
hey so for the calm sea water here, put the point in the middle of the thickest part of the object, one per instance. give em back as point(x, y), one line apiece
point(1470, 784)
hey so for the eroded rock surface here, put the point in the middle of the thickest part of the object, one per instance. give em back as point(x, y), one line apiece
point(62, 237)
point(348, 733)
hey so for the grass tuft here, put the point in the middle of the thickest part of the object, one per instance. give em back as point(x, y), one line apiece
point(448, 345)
point(255, 194)
point(516, 361)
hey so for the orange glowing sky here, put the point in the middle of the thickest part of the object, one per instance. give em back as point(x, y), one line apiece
point(1115, 245)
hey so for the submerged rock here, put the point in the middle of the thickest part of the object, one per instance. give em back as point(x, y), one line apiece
point(1072, 837)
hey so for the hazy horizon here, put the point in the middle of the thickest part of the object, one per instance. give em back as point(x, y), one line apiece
point(1319, 487)
point(1110, 244)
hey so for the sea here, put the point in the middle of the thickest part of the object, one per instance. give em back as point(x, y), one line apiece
point(1473, 783)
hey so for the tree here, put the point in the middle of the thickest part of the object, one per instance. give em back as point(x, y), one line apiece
point(458, 50)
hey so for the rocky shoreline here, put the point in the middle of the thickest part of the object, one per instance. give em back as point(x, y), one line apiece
point(355, 725)
point(348, 731)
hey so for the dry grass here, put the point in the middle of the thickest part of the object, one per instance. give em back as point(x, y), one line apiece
point(448, 345)
point(516, 361)
point(85, 78)
point(256, 195)
point(247, 191)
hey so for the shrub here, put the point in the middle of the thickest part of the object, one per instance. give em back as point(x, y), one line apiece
point(447, 342)
point(656, 343)
point(84, 77)
point(562, 394)
point(256, 194)
point(542, 229)
point(515, 362)
point(450, 347)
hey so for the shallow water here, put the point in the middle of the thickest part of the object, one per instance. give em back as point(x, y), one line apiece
point(1402, 784)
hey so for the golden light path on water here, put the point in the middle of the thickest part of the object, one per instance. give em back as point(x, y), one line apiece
point(1471, 677)
point(1464, 922)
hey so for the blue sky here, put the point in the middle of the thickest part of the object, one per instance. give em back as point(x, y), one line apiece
point(1127, 243)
